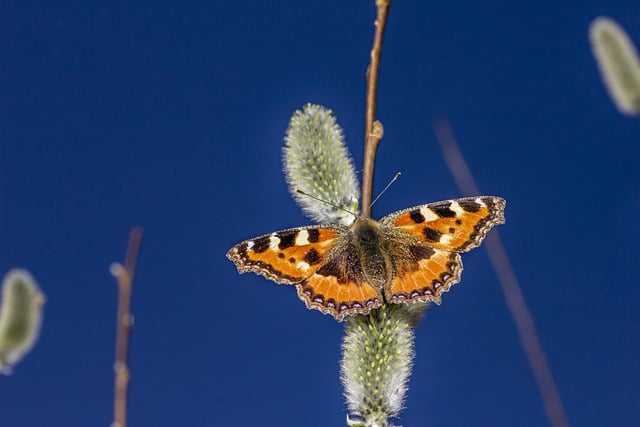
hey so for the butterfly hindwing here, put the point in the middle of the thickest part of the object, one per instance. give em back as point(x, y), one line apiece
point(432, 272)
point(453, 225)
point(338, 288)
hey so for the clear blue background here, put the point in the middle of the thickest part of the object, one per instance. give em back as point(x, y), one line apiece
point(171, 115)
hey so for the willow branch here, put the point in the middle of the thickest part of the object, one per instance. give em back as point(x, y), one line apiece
point(373, 129)
point(508, 282)
point(124, 277)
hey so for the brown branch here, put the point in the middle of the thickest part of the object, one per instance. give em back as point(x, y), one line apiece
point(373, 129)
point(124, 277)
point(508, 282)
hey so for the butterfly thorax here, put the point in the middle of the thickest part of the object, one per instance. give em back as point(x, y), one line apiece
point(372, 247)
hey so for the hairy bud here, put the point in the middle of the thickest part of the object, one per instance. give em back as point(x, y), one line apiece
point(20, 317)
point(618, 62)
point(317, 162)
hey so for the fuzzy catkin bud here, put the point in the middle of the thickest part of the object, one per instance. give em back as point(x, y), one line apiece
point(20, 317)
point(618, 62)
point(316, 161)
point(377, 356)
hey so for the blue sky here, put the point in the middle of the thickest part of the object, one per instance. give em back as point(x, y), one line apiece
point(172, 115)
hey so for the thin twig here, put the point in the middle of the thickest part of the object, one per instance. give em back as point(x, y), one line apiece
point(508, 282)
point(373, 129)
point(124, 277)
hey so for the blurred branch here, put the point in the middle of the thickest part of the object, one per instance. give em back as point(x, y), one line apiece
point(373, 129)
point(124, 277)
point(508, 282)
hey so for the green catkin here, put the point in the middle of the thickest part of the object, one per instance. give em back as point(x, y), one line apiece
point(377, 356)
point(316, 161)
point(617, 59)
point(20, 317)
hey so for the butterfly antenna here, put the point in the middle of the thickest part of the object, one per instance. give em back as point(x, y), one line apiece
point(324, 201)
point(385, 188)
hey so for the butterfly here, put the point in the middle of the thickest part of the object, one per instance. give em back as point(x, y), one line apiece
point(408, 256)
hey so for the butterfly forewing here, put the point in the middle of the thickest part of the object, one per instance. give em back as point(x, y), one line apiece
point(453, 225)
point(287, 256)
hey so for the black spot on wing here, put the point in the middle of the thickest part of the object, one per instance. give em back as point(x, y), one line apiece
point(287, 238)
point(312, 257)
point(431, 235)
point(416, 216)
point(262, 244)
point(470, 205)
point(313, 235)
point(444, 211)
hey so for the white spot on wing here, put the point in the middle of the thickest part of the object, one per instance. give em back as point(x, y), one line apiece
point(273, 243)
point(445, 238)
point(428, 214)
point(479, 201)
point(302, 238)
point(457, 208)
point(302, 265)
point(250, 244)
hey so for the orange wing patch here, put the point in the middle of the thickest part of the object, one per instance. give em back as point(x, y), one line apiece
point(340, 299)
point(287, 256)
point(453, 225)
point(427, 279)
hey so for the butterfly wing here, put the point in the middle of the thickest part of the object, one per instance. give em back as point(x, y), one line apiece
point(338, 287)
point(454, 225)
point(316, 259)
point(432, 264)
point(287, 256)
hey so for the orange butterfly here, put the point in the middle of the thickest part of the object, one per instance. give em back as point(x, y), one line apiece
point(410, 255)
